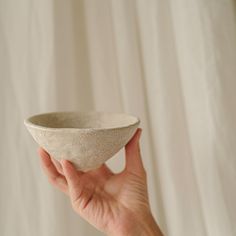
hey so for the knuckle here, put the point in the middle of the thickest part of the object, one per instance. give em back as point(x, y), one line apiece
point(75, 203)
point(81, 200)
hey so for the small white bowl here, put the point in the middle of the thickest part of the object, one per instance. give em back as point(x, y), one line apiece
point(87, 139)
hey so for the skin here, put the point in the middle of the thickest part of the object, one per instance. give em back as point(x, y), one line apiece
point(116, 204)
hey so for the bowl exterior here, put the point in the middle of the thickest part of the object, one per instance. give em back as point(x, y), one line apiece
point(86, 149)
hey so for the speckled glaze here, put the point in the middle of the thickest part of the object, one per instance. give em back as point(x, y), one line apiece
point(87, 139)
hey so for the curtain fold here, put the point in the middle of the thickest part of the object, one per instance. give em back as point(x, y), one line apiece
point(171, 63)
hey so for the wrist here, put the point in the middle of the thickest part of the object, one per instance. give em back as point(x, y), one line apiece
point(150, 227)
point(144, 226)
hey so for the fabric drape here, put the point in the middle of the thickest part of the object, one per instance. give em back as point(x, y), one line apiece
point(171, 63)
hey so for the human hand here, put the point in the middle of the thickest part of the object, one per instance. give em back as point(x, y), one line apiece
point(116, 204)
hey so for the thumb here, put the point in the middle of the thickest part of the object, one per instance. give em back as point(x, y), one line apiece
point(133, 157)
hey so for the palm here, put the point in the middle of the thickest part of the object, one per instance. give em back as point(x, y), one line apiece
point(107, 200)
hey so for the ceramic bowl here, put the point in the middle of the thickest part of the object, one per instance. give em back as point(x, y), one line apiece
point(87, 139)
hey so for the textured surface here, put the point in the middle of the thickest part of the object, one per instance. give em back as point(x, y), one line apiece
point(87, 139)
point(171, 63)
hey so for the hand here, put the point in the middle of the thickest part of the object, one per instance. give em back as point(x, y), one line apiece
point(116, 204)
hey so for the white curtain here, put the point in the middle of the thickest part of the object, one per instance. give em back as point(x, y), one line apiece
point(172, 63)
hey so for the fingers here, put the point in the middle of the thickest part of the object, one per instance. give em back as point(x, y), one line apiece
point(134, 162)
point(58, 166)
point(73, 179)
point(81, 189)
point(50, 170)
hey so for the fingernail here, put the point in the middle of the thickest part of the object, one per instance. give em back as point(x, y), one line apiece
point(62, 162)
point(65, 162)
point(42, 153)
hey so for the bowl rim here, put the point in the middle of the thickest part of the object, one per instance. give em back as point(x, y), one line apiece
point(28, 123)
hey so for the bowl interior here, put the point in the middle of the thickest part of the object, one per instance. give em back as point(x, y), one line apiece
point(82, 120)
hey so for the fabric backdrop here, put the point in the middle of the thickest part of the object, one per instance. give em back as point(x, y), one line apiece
point(171, 63)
